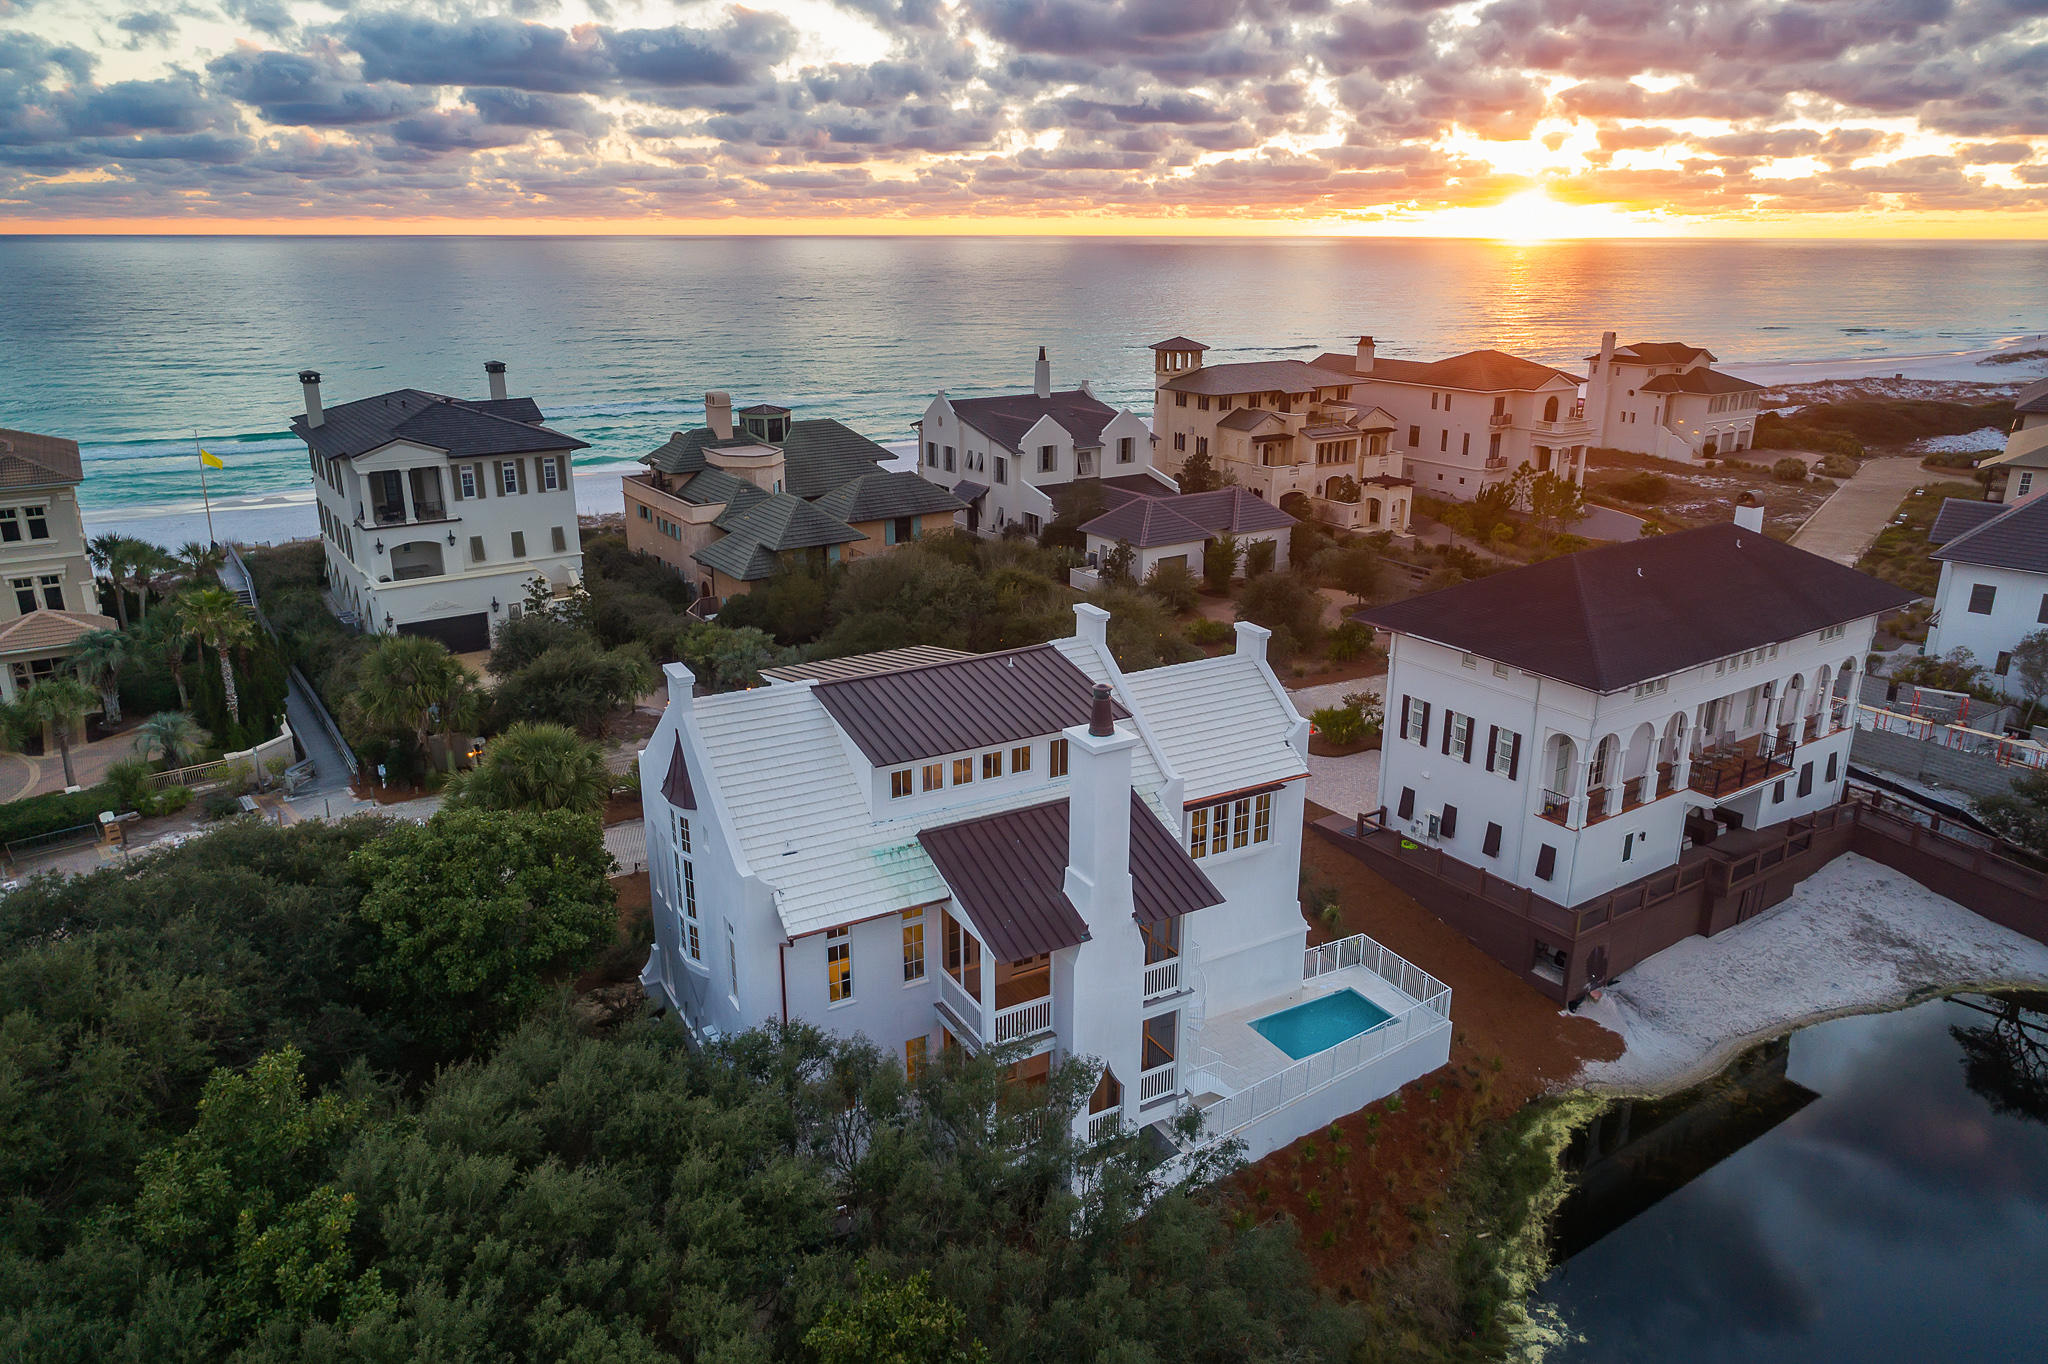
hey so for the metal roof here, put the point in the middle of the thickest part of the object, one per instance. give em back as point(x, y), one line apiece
point(1008, 872)
point(675, 787)
point(1611, 617)
point(979, 702)
point(863, 665)
point(1180, 705)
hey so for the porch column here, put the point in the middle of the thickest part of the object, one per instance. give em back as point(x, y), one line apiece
point(405, 492)
point(1681, 765)
point(1615, 783)
point(1582, 781)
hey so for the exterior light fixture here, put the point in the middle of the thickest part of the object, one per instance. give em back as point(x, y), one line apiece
point(494, 603)
point(451, 537)
point(380, 546)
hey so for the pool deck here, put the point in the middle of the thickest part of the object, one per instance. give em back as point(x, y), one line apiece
point(1228, 1047)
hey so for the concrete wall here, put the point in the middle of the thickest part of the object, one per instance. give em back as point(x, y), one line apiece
point(1971, 773)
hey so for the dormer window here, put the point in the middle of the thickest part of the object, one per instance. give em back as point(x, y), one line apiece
point(899, 784)
point(1056, 763)
point(963, 771)
point(992, 765)
point(1020, 758)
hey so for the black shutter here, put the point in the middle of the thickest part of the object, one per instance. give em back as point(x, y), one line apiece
point(1514, 757)
point(1450, 719)
point(1406, 809)
point(1546, 862)
point(1424, 740)
point(1471, 729)
point(1404, 717)
point(1492, 743)
point(1491, 847)
point(1831, 765)
point(1806, 780)
point(1448, 825)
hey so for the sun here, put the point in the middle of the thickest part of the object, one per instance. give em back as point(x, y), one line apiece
point(1531, 215)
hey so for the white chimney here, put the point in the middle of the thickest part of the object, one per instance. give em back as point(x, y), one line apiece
point(1099, 817)
point(1041, 375)
point(496, 370)
point(1251, 639)
point(309, 384)
point(1749, 511)
point(1091, 624)
point(718, 413)
point(1606, 347)
point(682, 684)
point(1364, 362)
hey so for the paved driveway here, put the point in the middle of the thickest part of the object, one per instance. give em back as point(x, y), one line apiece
point(1842, 527)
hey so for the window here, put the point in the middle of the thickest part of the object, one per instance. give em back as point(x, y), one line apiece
point(1500, 670)
point(1219, 827)
point(1628, 845)
point(1806, 779)
point(1048, 458)
point(38, 523)
point(1458, 737)
point(1414, 721)
point(53, 590)
point(2042, 615)
point(1832, 768)
point(1031, 522)
point(913, 946)
point(949, 459)
point(732, 962)
point(465, 482)
point(2004, 664)
point(838, 965)
point(934, 776)
point(1198, 831)
point(24, 594)
point(1432, 402)
point(1443, 440)
point(1180, 400)
point(1180, 440)
point(1201, 445)
point(1656, 688)
point(519, 544)
point(10, 525)
point(899, 784)
point(1504, 745)
point(1778, 792)
point(558, 540)
point(1056, 758)
point(1020, 758)
point(1124, 450)
point(1242, 831)
point(644, 514)
point(1002, 470)
point(686, 885)
point(682, 832)
point(931, 454)
point(1981, 597)
point(992, 765)
point(1465, 448)
point(1262, 818)
point(2025, 485)
point(508, 477)
point(1833, 632)
point(913, 1057)
point(551, 475)
point(963, 771)
point(1468, 660)
point(1414, 436)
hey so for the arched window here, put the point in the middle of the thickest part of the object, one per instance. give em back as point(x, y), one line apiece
point(1550, 410)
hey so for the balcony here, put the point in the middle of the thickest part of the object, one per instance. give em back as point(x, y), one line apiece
point(1636, 792)
point(1023, 1009)
point(1158, 1083)
point(1500, 420)
point(1162, 978)
point(1729, 771)
point(1496, 462)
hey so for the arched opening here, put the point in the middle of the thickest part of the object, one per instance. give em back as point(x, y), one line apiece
point(416, 559)
point(1673, 746)
point(1560, 767)
point(1635, 766)
point(1550, 410)
point(1708, 448)
point(1372, 511)
point(1606, 764)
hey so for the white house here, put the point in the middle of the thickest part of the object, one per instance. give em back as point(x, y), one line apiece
point(438, 513)
point(2020, 471)
point(1028, 848)
point(1007, 456)
point(1574, 725)
point(1665, 398)
point(1994, 581)
point(1176, 530)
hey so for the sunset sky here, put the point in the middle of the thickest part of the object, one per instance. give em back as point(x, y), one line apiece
point(1521, 118)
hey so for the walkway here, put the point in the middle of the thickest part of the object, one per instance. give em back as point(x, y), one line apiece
point(330, 768)
point(1842, 527)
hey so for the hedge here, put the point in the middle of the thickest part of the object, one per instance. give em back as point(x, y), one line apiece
point(58, 810)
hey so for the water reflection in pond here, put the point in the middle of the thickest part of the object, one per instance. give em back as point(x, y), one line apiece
point(1869, 1189)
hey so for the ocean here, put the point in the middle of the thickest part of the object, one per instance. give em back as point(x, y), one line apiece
point(134, 347)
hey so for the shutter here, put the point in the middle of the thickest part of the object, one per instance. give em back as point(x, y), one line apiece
point(1546, 862)
point(455, 480)
point(1425, 723)
point(1448, 825)
point(1450, 719)
point(1492, 743)
point(1491, 847)
point(1806, 780)
point(1404, 717)
point(1471, 732)
point(1514, 757)
point(1406, 810)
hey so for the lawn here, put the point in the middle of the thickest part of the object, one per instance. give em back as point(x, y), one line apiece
point(1899, 553)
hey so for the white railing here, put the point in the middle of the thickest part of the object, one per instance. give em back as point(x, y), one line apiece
point(1105, 1124)
point(1162, 978)
point(1157, 1082)
point(1359, 950)
point(966, 1006)
point(1023, 1020)
point(1998, 747)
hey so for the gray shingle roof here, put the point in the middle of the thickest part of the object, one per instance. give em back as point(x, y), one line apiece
point(885, 496)
point(27, 459)
point(1250, 419)
point(1961, 514)
point(978, 702)
point(967, 490)
point(2016, 539)
point(460, 426)
point(1611, 617)
point(1150, 521)
point(742, 560)
point(2032, 398)
point(1257, 376)
point(819, 454)
point(1006, 418)
point(1008, 871)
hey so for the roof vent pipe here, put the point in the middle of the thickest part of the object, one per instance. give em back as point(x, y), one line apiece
point(1041, 375)
point(1101, 719)
point(309, 384)
point(496, 370)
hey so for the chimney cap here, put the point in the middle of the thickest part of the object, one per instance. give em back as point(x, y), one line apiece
point(1748, 499)
point(1365, 340)
point(494, 366)
point(309, 376)
point(1101, 718)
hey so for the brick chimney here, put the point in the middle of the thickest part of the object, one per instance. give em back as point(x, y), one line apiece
point(495, 369)
point(718, 414)
point(309, 384)
point(1364, 362)
point(1041, 375)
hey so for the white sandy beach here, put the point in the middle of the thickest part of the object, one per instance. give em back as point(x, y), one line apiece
point(1957, 366)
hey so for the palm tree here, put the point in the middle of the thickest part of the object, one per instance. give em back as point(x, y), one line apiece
point(412, 683)
point(58, 704)
point(201, 563)
point(165, 638)
point(111, 555)
point(212, 616)
point(148, 563)
point(100, 657)
point(171, 734)
point(536, 767)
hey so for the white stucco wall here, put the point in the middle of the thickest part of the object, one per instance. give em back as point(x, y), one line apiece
point(2019, 607)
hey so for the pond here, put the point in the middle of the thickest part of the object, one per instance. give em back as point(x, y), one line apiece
point(1868, 1189)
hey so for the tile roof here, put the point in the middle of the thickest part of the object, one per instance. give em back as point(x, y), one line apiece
point(1188, 517)
point(2016, 539)
point(1008, 871)
point(462, 427)
point(675, 787)
point(1180, 705)
point(710, 486)
point(967, 490)
point(781, 522)
point(1249, 419)
point(1659, 353)
point(884, 496)
point(1234, 509)
point(1960, 514)
point(1476, 371)
point(1699, 381)
point(1256, 376)
point(1177, 343)
point(742, 560)
point(819, 454)
point(28, 460)
point(1006, 419)
point(1611, 617)
point(863, 665)
point(977, 702)
point(45, 630)
point(2032, 398)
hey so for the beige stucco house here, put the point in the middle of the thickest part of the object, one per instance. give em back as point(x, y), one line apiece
point(50, 599)
point(1665, 398)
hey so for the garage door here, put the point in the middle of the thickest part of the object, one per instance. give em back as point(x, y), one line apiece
point(462, 634)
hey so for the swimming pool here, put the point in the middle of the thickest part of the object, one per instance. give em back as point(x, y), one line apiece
point(1320, 1024)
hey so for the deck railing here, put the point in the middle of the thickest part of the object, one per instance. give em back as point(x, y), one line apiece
point(1158, 1082)
point(1022, 1020)
point(1105, 1124)
point(964, 1006)
point(1396, 970)
point(1739, 772)
point(1162, 978)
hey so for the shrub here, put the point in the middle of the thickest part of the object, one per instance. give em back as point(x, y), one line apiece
point(1789, 470)
point(1349, 641)
point(1259, 558)
point(1642, 487)
point(1841, 466)
point(1339, 724)
point(1206, 631)
point(1171, 582)
point(1283, 602)
point(40, 815)
point(1219, 561)
point(168, 801)
point(222, 804)
point(129, 779)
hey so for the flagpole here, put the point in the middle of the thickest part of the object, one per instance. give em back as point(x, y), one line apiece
point(203, 493)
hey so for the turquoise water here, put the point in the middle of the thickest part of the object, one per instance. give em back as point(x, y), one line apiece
point(132, 345)
point(1320, 1024)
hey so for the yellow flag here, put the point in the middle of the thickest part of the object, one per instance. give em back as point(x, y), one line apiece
point(210, 460)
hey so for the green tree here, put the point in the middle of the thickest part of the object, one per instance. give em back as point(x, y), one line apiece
point(98, 657)
point(1288, 606)
point(200, 563)
point(2030, 670)
point(1354, 569)
point(1219, 561)
point(893, 1323)
point(2020, 815)
point(535, 767)
point(212, 616)
point(577, 685)
point(795, 605)
point(58, 706)
point(476, 910)
point(413, 685)
point(162, 640)
point(1198, 474)
point(1259, 557)
point(916, 595)
point(1171, 582)
point(1117, 562)
point(517, 643)
point(171, 735)
point(1553, 503)
point(112, 556)
point(1142, 632)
